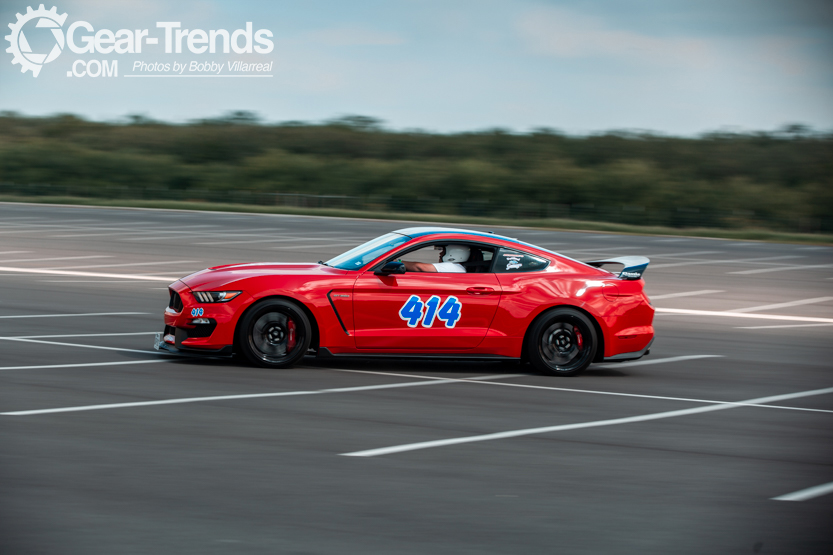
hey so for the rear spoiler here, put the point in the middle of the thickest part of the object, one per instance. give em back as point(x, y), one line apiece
point(634, 266)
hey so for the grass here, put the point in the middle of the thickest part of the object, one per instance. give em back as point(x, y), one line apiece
point(553, 223)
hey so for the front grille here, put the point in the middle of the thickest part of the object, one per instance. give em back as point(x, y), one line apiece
point(175, 302)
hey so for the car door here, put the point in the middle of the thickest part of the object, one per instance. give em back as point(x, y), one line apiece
point(423, 312)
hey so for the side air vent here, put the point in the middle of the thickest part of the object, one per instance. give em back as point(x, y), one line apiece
point(175, 302)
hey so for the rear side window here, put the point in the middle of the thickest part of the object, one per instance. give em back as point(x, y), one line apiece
point(509, 261)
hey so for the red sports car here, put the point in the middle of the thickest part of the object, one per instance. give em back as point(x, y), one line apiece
point(482, 296)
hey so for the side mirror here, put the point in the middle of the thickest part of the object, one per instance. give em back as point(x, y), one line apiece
point(391, 268)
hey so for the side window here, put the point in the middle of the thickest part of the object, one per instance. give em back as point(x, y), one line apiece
point(509, 261)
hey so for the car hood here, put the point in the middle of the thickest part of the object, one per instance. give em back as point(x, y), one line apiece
point(219, 276)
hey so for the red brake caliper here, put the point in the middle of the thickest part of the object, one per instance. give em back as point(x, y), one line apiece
point(290, 342)
point(579, 339)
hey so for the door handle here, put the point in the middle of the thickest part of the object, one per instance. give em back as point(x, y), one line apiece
point(480, 290)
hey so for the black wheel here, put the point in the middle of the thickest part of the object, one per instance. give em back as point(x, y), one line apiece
point(274, 334)
point(562, 342)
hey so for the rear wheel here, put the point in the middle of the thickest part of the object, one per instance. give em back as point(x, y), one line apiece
point(562, 342)
point(275, 334)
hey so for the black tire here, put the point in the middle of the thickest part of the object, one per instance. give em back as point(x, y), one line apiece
point(562, 342)
point(274, 334)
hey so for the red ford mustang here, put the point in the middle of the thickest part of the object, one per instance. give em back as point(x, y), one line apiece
point(493, 297)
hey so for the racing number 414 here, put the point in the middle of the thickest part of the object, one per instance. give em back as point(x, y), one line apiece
point(414, 311)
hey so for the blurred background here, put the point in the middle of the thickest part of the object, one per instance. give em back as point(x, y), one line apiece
point(669, 113)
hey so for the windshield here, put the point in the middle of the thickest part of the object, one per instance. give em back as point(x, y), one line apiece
point(361, 255)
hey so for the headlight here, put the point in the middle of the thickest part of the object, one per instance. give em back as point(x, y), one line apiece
point(215, 296)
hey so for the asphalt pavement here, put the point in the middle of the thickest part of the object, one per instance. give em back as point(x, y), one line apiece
point(720, 441)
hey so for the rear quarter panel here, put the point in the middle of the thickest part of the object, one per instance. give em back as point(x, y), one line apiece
point(619, 307)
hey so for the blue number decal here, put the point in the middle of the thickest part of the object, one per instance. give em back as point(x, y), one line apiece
point(431, 305)
point(197, 312)
point(450, 312)
point(411, 311)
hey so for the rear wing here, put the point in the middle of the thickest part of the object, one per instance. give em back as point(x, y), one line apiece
point(634, 266)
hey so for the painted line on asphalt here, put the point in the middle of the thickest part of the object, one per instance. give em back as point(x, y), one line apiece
point(14, 252)
point(80, 335)
point(783, 305)
point(284, 238)
point(784, 269)
point(783, 326)
point(61, 344)
point(85, 364)
point(685, 294)
point(235, 397)
point(160, 263)
point(580, 425)
point(722, 261)
point(55, 258)
point(311, 247)
point(650, 361)
point(116, 281)
point(594, 392)
point(86, 274)
point(72, 315)
point(682, 255)
point(743, 315)
point(805, 494)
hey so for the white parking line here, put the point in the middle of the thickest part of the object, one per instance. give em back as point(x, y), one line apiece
point(159, 263)
point(742, 315)
point(111, 281)
point(650, 361)
point(805, 494)
point(581, 425)
point(681, 254)
point(783, 305)
point(311, 247)
point(85, 364)
point(603, 250)
point(73, 315)
point(591, 391)
point(784, 269)
point(685, 294)
point(782, 326)
point(22, 340)
point(54, 258)
point(80, 335)
point(722, 261)
point(87, 274)
point(232, 397)
point(14, 252)
point(280, 239)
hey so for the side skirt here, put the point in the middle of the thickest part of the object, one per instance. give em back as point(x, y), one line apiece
point(324, 352)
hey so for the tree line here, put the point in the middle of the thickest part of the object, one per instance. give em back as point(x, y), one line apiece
point(775, 180)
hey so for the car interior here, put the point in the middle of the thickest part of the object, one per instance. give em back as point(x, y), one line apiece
point(479, 262)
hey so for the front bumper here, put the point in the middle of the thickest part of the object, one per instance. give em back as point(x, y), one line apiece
point(181, 335)
point(161, 345)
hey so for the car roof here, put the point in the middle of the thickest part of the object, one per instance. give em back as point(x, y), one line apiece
point(414, 232)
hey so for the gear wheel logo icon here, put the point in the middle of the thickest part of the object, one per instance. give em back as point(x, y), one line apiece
point(20, 48)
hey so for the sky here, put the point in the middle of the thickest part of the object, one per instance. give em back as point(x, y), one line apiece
point(584, 66)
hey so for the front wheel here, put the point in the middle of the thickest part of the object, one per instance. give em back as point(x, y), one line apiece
point(562, 342)
point(274, 333)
